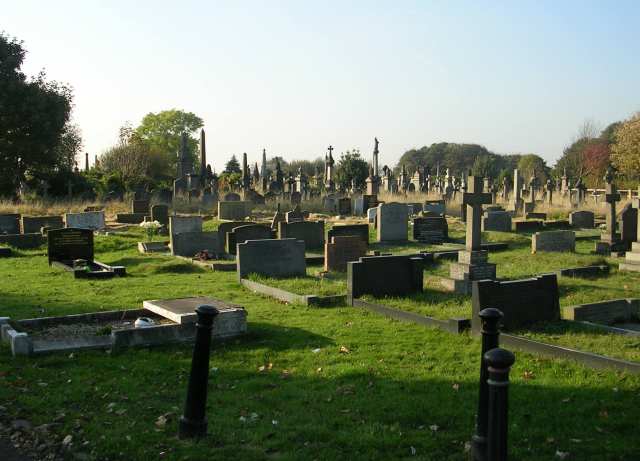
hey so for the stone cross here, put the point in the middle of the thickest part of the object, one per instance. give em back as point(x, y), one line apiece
point(611, 197)
point(474, 198)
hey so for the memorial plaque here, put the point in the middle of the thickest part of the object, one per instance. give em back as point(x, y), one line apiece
point(68, 244)
point(271, 258)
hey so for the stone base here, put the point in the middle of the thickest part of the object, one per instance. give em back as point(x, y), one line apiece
point(626, 266)
point(459, 287)
point(462, 271)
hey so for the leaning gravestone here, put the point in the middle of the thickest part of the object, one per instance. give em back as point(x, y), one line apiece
point(93, 220)
point(392, 222)
point(234, 211)
point(498, 221)
point(341, 250)
point(10, 223)
point(581, 219)
point(271, 258)
point(160, 213)
point(311, 232)
point(361, 230)
point(559, 241)
point(33, 224)
point(432, 230)
point(241, 234)
point(523, 302)
point(384, 276)
point(187, 238)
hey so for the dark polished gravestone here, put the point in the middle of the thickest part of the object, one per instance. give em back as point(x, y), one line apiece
point(271, 258)
point(628, 225)
point(528, 226)
point(140, 206)
point(432, 230)
point(344, 206)
point(10, 223)
point(523, 302)
point(34, 224)
point(72, 250)
point(384, 276)
point(311, 232)
point(345, 230)
point(225, 227)
point(241, 234)
point(160, 213)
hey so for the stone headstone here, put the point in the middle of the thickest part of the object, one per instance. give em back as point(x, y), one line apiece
point(384, 276)
point(225, 227)
point(93, 220)
point(523, 302)
point(68, 244)
point(296, 198)
point(392, 222)
point(535, 215)
point(435, 206)
point(271, 258)
point(581, 219)
point(559, 240)
point(528, 226)
point(160, 213)
point(344, 206)
point(234, 210)
point(184, 224)
point(140, 206)
point(33, 224)
point(231, 197)
point(311, 232)
point(360, 230)
point(241, 234)
point(430, 230)
point(341, 250)
point(629, 225)
point(10, 223)
point(498, 221)
point(187, 238)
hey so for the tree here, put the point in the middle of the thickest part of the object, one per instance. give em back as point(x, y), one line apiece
point(232, 166)
point(309, 167)
point(531, 163)
point(625, 153)
point(33, 118)
point(162, 131)
point(351, 168)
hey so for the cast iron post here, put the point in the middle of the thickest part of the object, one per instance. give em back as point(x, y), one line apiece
point(499, 362)
point(194, 421)
point(490, 319)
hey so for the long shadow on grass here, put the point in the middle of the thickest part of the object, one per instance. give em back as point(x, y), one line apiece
point(562, 327)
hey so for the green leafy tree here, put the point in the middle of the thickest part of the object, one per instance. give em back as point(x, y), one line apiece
point(625, 153)
point(162, 131)
point(531, 162)
point(351, 167)
point(233, 166)
point(34, 114)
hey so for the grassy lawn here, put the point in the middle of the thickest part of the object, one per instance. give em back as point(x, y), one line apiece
point(395, 389)
point(314, 283)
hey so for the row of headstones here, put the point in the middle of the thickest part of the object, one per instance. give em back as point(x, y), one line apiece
point(12, 224)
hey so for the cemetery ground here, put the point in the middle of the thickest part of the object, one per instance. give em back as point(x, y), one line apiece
point(308, 383)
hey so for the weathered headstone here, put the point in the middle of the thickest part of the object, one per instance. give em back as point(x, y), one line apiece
point(498, 221)
point(234, 210)
point(93, 220)
point(271, 258)
point(311, 232)
point(160, 213)
point(581, 219)
point(371, 214)
point(435, 206)
point(140, 206)
point(629, 225)
point(294, 215)
point(187, 238)
point(344, 206)
point(559, 240)
point(384, 276)
point(241, 234)
point(392, 222)
point(341, 250)
point(523, 302)
point(361, 230)
point(33, 224)
point(610, 239)
point(430, 230)
point(10, 223)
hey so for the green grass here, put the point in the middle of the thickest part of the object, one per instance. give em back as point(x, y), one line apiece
point(376, 402)
point(314, 283)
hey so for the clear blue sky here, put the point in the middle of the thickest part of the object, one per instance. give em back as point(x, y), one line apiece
point(294, 77)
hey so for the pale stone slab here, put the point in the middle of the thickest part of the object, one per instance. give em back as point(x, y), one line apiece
point(183, 310)
point(93, 220)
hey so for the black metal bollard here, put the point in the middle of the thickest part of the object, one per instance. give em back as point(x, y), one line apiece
point(193, 422)
point(490, 340)
point(499, 362)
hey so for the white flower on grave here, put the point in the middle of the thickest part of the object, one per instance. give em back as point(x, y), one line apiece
point(150, 225)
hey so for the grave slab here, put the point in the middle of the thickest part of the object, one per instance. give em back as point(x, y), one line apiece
point(182, 310)
point(558, 241)
point(93, 220)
